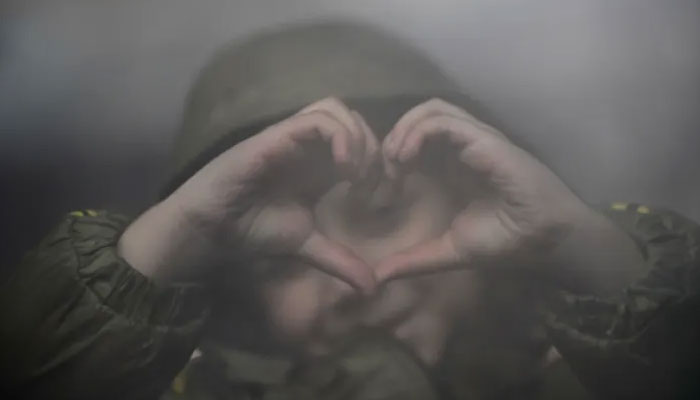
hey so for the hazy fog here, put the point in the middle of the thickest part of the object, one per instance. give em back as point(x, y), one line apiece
point(91, 91)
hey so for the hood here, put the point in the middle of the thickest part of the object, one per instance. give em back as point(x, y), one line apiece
point(267, 76)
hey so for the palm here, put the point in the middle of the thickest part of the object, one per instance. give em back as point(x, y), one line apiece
point(279, 228)
point(483, 229)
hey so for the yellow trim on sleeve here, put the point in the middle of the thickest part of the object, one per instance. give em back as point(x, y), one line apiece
point(643, 210)
point(619, 206)
point(178, 385)
point(77, 214)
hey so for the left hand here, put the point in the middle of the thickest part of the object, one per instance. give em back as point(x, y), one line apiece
point(529, 209)
point(257, 197)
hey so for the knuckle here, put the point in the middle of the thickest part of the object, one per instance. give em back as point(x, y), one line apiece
point(319, 119)
point(495, 132)
point(436, 122)
point(437, 102)
point(306, 113)
point(328, 104)
point(307, 118)
point(333, 100)
point(324, 115)
point(334, 103)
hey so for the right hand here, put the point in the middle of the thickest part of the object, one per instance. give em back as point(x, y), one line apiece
point(524, 211)
point(256, 198)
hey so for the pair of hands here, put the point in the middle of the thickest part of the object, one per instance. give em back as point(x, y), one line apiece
point(257, 197)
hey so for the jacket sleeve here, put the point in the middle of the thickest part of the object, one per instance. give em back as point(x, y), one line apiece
point(78, 322)
point(644, 344)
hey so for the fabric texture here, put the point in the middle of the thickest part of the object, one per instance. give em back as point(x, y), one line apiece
point(79, 323)
point(641, 344)
point(646, 344)
point(371, 366)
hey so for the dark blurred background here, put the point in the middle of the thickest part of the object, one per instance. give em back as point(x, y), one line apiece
point(608, 92)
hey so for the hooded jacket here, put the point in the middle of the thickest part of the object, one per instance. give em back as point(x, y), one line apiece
point(77, 322)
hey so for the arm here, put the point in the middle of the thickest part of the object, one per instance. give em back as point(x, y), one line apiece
point(78, 322)
point(645, 342)
point(627, 312)
point(94, 313)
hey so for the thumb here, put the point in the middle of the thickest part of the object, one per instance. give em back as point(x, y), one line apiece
point(428, 257)
point(337, 260)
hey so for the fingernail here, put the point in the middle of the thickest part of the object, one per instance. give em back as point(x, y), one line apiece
point(390, 143)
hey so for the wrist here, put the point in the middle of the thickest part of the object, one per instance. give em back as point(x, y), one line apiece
point(163, 246)
point(594, 257)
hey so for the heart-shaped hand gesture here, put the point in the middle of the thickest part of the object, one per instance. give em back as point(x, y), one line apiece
point(528, 207)
point(257, 196)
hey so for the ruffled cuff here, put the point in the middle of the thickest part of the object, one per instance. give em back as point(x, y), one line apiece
point(643, 343)
point(93, 235)
point(670, 246)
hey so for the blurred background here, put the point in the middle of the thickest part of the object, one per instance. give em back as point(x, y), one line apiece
point(91, 92)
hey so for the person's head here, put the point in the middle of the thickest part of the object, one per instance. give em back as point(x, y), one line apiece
point(272, 75)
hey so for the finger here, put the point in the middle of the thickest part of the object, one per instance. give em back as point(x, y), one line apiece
point(438, 106)
point(390, 185)
point(394, 141)
point(337, 109)
point(432, 256)
point(371, 156)
point(339, 261)
point(418, 113)
point(460, 132)
point(391, 170)
point(315, 125)
point(371, 169)
point(376, 191)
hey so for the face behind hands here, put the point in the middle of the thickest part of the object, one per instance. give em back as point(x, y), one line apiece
point(445, 215)
point(314, 311)
point(327, 248)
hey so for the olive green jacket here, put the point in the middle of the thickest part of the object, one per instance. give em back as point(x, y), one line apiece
point(77, 322)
